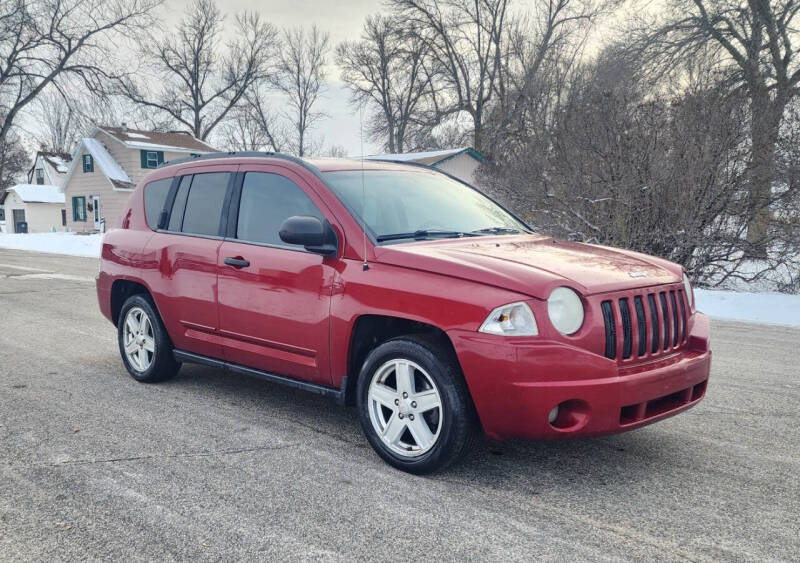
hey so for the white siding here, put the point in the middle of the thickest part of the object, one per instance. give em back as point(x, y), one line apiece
point(462, 166)
point(41, 217)
point(113, 201)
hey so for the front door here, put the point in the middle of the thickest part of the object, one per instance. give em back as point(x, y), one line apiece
point(20, 225)
point(96, 212)
point(274, 298)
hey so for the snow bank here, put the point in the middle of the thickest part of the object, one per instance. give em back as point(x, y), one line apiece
point(56, 243)
point(763, 308)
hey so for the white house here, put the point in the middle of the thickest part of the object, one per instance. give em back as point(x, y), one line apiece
point(49, 168)
point(461, 162)
point(32, 208)
point(107, 166)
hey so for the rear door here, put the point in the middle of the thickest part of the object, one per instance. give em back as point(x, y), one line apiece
point(186, 249)
point(274, 298)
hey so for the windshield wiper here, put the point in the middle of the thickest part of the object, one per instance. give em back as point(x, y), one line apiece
point(496, 231)
point(423, 234)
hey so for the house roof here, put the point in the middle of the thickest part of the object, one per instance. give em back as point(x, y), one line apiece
point(58, 160)
point(105, 161)
point(108, 166)
point(430, 158)
point(38, 193)
point(176, 141)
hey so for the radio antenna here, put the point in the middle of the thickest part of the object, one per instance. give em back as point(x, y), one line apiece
point(364, 266)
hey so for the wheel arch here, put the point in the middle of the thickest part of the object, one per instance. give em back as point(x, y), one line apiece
point(371, 330)
point(121, 290)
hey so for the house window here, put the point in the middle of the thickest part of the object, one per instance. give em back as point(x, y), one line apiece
point(79, 208)
point(151, 159)
point(63, 217)
point(88, 163)
point(2, 214)
point(40, 175)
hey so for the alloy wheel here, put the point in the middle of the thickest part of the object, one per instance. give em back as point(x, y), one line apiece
point(138, 340)
point(405, 408)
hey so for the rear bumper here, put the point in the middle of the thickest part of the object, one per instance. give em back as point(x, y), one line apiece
point(516, 384)
point(103, 284)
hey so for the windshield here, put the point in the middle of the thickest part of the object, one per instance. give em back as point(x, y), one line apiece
point(418, 204)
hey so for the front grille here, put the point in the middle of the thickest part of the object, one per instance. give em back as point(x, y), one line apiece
point(660, 323)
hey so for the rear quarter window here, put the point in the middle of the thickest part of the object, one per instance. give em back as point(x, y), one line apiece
point(155, 196)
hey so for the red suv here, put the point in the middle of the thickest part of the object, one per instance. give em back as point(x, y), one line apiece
point(401, 290)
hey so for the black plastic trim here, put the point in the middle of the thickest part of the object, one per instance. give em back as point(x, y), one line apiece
point(627, 328)
point(662, 297)
point(611, 330)
point(189, 357)
point(651, 300)
point(640, 323)
point(675, 332)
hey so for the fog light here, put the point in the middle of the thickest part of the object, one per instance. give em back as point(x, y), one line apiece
point(551, 418)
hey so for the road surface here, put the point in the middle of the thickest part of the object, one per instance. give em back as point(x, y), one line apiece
point(216, 466)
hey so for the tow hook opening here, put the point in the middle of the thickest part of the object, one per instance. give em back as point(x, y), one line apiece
point(569, 416)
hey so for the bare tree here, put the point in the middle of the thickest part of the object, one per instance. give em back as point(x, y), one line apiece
point(301, 78)
point(13, 160)
point(465, 39)
point(44, 40)
point(197, 80)
point(59, 122)
point(538, 52)
point(389, 71)
point(754, 43)
point(254, 126)
point(336, 151)
point(625, 162)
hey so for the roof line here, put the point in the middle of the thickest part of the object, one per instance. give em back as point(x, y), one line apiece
point(74, 163)
point(469, 150)
point(246, 154)
point(175, 149)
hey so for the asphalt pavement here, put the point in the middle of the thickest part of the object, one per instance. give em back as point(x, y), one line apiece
point(217, 466)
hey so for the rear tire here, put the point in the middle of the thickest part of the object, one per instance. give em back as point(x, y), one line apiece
point(144, 344)
point(414, 405)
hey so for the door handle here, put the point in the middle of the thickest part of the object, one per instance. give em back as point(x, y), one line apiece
point(237, 262)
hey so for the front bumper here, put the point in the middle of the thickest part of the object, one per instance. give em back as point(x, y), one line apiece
point(516, 384)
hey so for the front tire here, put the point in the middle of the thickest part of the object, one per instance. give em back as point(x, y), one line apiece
point(144, 344)
point(414, 405)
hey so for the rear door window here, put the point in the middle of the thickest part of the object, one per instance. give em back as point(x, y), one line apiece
point(267, 201)
point(198, 204)
point(155, 196)
point(179, 206)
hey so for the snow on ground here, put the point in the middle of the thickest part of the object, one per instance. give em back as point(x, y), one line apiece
point(763, 308)
point(56, 243)
point(768, 308)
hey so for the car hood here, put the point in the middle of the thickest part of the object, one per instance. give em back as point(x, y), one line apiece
point(533, 264)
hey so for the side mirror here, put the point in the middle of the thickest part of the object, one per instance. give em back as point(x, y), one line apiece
point(311, 233)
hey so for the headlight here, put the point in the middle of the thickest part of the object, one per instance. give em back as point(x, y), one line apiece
point(515, 319)
point(566, 310)
point(687, 288)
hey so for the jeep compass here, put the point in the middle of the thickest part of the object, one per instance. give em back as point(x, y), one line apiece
point(400, 290)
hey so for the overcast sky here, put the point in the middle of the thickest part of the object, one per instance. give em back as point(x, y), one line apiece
point(342, 19)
